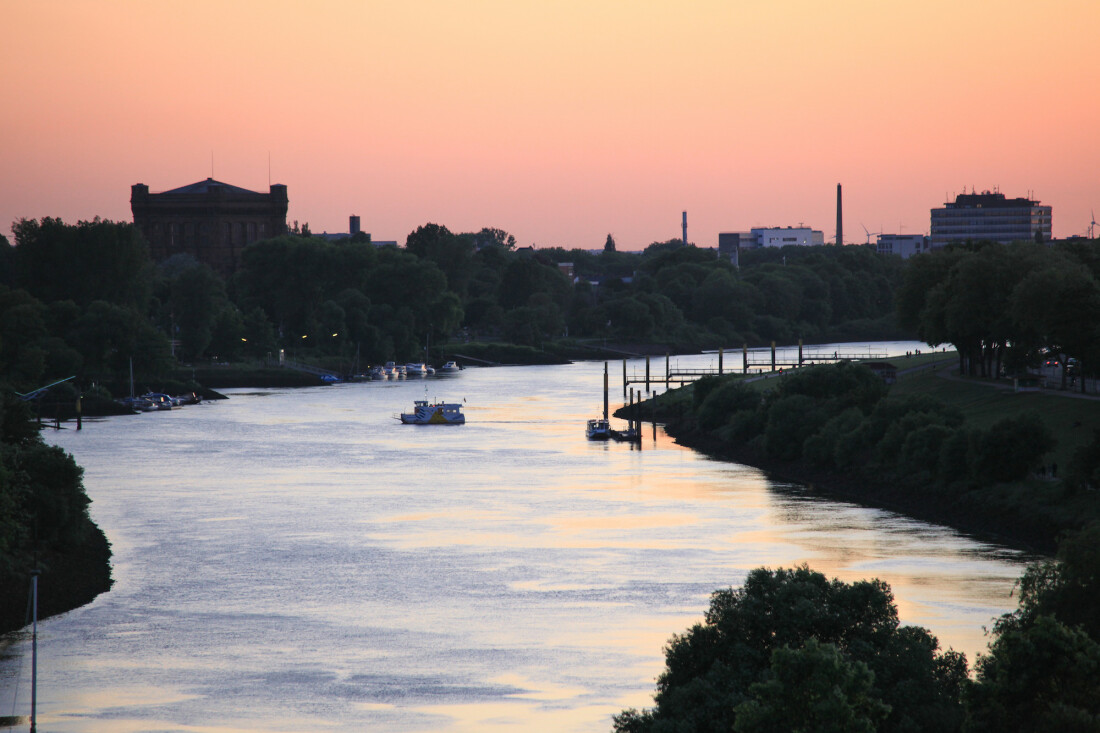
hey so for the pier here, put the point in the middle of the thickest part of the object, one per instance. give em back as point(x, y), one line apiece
point(752, 360)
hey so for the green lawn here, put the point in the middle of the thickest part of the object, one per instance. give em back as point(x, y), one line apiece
point(1071, 420)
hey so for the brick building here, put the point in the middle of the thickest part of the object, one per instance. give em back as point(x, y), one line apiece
point(210, 220)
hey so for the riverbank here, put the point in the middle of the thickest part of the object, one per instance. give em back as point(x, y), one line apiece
point(69, 578)
point(1028, 513)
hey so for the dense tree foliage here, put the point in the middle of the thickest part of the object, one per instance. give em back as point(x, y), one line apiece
point(792, 650)
point(43, 515)
point(86, 299)
point(1006, 307)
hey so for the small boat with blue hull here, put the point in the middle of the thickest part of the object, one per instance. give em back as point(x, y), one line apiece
point(434, 413)
point(598, 429)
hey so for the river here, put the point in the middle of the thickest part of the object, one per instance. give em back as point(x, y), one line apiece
point(296, 560)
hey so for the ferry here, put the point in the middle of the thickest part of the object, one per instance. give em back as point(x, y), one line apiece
point(434, 413)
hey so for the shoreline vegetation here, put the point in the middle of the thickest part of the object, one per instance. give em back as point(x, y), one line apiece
point(922, 454)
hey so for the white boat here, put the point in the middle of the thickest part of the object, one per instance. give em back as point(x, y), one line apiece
point(598, 429)
point(416, 370)
point(449, 367)
point(377, 373)
point(434, 413)
point(390, 370)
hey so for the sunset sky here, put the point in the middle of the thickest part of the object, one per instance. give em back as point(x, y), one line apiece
point(559, 122)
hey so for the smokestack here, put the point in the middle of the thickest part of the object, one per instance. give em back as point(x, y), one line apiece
point(685, 224)
point(839, 218)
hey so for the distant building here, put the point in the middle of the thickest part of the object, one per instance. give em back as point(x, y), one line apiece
point(989, 216)
point(353, 230)
point(904, 245)
point(787, 236)
point(210, 220)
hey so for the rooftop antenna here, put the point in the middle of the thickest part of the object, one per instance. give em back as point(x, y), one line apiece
point(211, 163)
point(269, 169)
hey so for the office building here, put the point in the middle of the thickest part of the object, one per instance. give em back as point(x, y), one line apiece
point(990, 216)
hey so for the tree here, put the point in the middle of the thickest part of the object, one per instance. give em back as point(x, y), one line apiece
point(609, 245)
point(1041, 677)
point(96, 260)
point(712, 669)
point(812, 688)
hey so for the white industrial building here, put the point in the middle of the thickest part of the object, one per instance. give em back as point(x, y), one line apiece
point(784, 236)
point(904, 245)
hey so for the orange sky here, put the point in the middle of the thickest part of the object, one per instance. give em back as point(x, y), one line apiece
point(557, 121)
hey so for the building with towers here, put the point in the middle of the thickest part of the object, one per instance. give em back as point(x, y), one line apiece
point(209, 220)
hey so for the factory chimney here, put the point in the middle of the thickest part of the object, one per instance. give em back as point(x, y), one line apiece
point(839, 218)
point(685, 225)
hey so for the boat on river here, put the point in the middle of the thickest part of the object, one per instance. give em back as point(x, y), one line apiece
point(598, 429)
point(434, 413)
point(449, 368)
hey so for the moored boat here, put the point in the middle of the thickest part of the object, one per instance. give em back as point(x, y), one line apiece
point(598, 429)
point(434, 413)
point(416, 369)
point(449, 367)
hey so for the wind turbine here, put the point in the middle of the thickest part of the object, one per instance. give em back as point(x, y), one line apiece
point(1092, 225)
point(868, 233)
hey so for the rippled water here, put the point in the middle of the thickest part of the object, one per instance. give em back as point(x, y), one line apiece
point(296, 560)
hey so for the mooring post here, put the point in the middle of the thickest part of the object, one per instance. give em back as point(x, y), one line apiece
point(624, 377)
point(800, 351)
point(719, 361)
point(667, 374)
point(773, 356)
point(630, 412)
point(605, 390)
point(647, 372)
point(745, 359)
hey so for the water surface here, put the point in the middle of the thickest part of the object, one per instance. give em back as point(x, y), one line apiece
point(296, 560)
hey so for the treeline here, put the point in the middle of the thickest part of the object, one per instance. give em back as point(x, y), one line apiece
point(1005, 306)
point(86, 299)
point(793, 651)
point(44, 523)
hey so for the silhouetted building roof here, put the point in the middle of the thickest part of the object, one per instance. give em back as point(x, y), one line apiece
point(209, 220)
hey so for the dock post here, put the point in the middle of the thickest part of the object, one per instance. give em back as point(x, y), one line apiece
point(79, 412)
point(605, 390)
point(647, 372)
point(630, 418)
point(800, 351)
point(744, 358)
point(720, 361)
point(667, 373)
point(773, 356)
point(624, 377)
